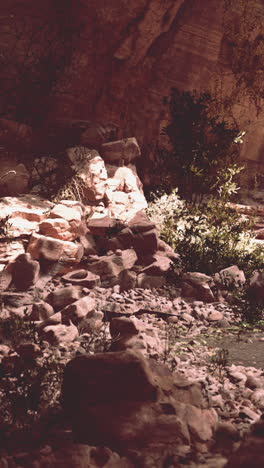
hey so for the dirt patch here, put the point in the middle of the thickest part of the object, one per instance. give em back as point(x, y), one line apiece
point(246, 350)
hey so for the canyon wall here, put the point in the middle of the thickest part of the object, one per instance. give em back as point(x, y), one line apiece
point(114, 61)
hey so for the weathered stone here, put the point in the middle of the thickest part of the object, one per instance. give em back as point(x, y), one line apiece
point(197, 285)
point(134, 334)
point(257, 398)
point(126, 237)
point(56, 334)
point(63, 297)
point(230, 275)
point(24, 213)
point(159, 267)
point(92, 322)
point(129, 401)
point(215, 316)
point(149, 282)
point(48, 248)
point(145, 242)
point(165, 249)
point(58, 228)
point(108, 267)
point(16, 299)
point(70, 213)
point(252, 446)
point(196, 279)
point(14, 180)
point(54, 319)
point(101, 226)
point(6, 277)
point(122, 150)
point(83, 278)
point(256, 286)
point(79, 309)
point(41, 311)
point(25, 271)
point(118, 376)
point(88, 243)
point(64, 222)
point(91, 169)
point(9, 251)
point(123, 326)
point(127, 280)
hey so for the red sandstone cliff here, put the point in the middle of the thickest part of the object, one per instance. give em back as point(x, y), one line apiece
point(114, 61)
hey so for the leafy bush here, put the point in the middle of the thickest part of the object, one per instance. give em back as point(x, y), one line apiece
point(29, 384)
point(72, 189)
point(5, 228)
point(28, 388)
point(17, 330)
point(208, 237)
point(202, 145)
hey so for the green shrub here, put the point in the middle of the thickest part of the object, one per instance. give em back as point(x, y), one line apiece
point(16, 330)
point(207, 237)
point(202, 145)
point(28, 386)
point(5, 228)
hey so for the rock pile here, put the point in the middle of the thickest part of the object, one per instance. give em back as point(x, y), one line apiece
point(91, 277)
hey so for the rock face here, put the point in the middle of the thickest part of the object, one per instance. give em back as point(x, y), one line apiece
point(116, 65)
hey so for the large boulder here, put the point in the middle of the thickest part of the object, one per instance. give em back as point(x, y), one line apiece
point(126, 401)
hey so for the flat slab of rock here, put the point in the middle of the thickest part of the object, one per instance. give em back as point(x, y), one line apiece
point(83, 278)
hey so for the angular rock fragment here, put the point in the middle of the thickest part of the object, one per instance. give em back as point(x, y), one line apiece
point(56, 334)
point(63, 297)
point(50, 249)
point(78, 310)
point(126, 150)
point(25, 272)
